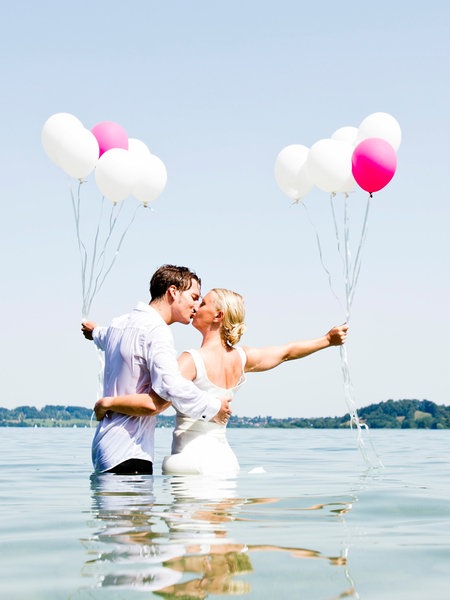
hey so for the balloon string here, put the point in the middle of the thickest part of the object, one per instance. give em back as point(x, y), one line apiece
point(102, 275)
point(336, 231)
point(95, 269)
point(351, 278)
point(98, 263)
point(76, 203)
point(357, 266)
point(322, 262)
point(354, 418)
point(347, 258)
point(351, 275)
point(112, 224)
point(93, 262)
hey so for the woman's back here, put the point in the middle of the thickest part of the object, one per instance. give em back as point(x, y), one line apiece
point(198, 446)
point(224, 368)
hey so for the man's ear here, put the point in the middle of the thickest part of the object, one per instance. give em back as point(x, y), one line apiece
point(172, 293)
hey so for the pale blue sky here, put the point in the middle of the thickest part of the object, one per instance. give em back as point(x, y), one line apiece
point(217, 90)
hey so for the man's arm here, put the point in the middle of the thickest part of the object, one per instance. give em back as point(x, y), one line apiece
point(263, 359)
point(138, 405)
point(168, 382)
point(135, 405)
point(142, 405)
point(92, 331)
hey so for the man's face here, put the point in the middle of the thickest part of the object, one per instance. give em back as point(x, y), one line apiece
point(186, 303)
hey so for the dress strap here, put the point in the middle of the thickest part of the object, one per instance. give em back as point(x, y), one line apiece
point(198, 362)
point(242, 355)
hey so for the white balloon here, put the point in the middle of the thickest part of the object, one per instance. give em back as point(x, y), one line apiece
point(137, 148)
point(346, 134)
point(79, 153)
point(348, 186)
point(151, 178)
point(55, 130)
point(115, 174)
point(291, 173)
point(380, 125)
point(330, 164)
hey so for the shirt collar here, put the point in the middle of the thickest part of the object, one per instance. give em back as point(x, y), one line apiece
point(144, 307)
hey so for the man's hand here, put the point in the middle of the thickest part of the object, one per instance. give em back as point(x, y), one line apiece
point(338, 335)
point(101, 407)
point(87, 327)
point(224, 413)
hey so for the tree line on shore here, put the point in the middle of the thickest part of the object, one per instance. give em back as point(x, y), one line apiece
point(390, 414)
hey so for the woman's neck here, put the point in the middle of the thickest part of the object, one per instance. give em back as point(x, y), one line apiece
point(213, 339)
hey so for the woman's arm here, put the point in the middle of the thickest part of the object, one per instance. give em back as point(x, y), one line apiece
point(263, 359)
point(135, 405)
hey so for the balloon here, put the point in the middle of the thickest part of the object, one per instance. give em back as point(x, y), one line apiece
point(70, 145)
point(290, 171)
point(110, 135)
point(348, 137)
point(348, 186)
point(55, 129)
point(380, 125)
point(330, 164)
point(346, 134)
point(79, 153)
point(374, 163)
point(151, 178)
point(115, 174)
point(137, 148)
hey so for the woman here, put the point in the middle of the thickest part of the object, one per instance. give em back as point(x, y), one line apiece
point(219, 366)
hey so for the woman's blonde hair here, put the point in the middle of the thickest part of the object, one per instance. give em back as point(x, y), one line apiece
point(232, 305)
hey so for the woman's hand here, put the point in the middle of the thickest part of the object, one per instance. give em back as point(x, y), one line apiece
point(338, 335)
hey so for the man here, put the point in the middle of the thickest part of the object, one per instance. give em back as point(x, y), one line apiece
point(140, 357)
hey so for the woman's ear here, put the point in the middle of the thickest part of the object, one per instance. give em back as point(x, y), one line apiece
point(218, 316)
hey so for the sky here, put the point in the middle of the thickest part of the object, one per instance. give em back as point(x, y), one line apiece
point(216, 90)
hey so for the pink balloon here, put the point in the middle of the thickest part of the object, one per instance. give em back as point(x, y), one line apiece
point(374, 163)
point(110, 135)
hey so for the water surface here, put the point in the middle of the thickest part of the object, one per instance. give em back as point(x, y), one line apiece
point(305, 518)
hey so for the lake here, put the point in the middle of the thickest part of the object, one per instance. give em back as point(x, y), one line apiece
point(305, 518)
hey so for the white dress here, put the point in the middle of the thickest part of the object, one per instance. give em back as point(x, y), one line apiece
point(201, 447)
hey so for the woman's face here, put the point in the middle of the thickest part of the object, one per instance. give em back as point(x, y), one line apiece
point(206, 312)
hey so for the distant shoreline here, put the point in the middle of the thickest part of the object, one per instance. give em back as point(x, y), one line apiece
point(390, 414)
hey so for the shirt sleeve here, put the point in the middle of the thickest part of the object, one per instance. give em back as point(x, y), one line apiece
point(168, 382)
point(99, 336)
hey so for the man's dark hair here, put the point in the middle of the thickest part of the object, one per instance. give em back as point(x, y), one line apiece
point(167, 275)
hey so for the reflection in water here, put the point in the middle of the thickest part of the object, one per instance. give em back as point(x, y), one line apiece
point(125, 550)
point(179, 545)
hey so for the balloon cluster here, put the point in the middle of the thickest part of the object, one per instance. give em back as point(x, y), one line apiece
point(364, 156)
point(123, 166)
